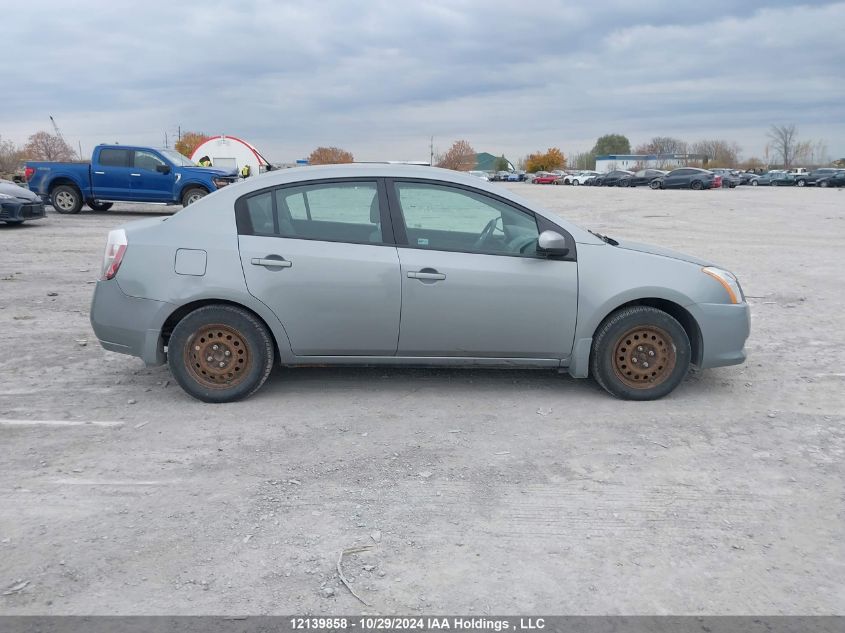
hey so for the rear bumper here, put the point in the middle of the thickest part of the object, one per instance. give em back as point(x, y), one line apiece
point(724, 330)
point(129, 325)
point(18, 211)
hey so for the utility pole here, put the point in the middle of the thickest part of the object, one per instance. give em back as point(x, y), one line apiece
point(431, 152)
point(179, 131)
point(165, 140)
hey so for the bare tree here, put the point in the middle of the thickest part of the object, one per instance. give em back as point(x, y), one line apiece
point(784, 142)
point(460, 157)
point(10, 157)
point(330, 156)
point(45, 146)
point(663, 145)
point(719, 153)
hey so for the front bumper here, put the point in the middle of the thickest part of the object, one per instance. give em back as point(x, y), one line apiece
point(17, 210)
point(724, 330)
point(129, 325)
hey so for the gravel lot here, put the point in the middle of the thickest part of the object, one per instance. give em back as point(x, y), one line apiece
point(480, 491)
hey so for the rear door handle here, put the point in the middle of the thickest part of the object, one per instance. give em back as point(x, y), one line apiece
point(271, 263)
point(134, 174)
point(434, 276)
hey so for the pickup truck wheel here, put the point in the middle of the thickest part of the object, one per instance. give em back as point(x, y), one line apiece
point(220, 353)
point(801, 183)
point(66, 199)
point(99, 206)
point(192, 195)
point(640, 353)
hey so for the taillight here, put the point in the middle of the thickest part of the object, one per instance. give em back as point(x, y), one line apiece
point(27, 173)
point(115, 250)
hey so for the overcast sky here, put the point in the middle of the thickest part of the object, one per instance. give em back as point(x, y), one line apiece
point(380, 77)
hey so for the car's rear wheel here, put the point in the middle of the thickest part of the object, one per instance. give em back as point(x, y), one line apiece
point(640, 353)
point(754, 183)
point(99, 206)
point(220, 353)
point(66, 199)
point(575, 182)
point(192, 195)
point(801, 183)
point(654, 184)
point(823, 183)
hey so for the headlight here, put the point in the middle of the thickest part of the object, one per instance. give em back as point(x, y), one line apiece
point(221, 182)
point(729, 282)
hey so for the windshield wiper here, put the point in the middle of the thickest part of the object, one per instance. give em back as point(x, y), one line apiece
point(605, 238)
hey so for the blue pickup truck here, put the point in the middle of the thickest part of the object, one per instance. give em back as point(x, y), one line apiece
point(120, 173)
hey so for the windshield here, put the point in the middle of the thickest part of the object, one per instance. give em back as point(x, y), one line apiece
point(177, 159)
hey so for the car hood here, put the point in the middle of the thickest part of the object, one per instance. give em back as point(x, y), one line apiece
point(662, 252)
point(209, 171)
point(11, 189)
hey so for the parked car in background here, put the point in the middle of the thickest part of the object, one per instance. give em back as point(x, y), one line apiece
point(777, 178)
point(615, 178)
point(18, 204)
point(834, 180)
point(580, 177)
point(730, 177)
point(404, 265)
point(802, 180)
point(687, 178)
point(749, 178)
point(545, 179)
point(124, 173)
point(642, 177)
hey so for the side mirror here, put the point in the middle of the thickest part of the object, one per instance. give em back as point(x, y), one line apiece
point(552, 243)
point(163, 169)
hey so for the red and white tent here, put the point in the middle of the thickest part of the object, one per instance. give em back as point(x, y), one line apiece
point(230, 152)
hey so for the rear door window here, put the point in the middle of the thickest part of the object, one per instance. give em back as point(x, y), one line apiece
point(114, 157)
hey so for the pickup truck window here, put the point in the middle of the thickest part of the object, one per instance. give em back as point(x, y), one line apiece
point(177, 159)
point(114, 157)
point(147, 160)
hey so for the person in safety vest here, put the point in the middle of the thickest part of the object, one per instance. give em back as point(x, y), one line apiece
point(245, 171)
point(205, 161)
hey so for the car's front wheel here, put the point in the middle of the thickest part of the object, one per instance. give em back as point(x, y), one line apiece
point(193, 195)
point(801, 183)
point(654, 184)
point(640, 353)
point(220, 353)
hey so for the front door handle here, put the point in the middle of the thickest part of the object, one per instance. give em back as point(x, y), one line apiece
point(426, 273)
point(135, 175)
point(100, 173)
point(271, 263)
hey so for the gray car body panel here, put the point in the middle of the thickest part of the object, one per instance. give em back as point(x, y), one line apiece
point(558, 309)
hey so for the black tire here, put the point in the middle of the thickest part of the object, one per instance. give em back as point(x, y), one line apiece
point(193, 194)
point(66, 199)
point(575, 183)
point(754, 183)
point(228, 335)
point(824, 183)
point(696, 184)
point(654, 184)
point(99, 206)
point(663, 340)
point(801, 183)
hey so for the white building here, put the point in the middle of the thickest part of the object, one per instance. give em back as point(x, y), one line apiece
point(230, 152)
point(633, 162)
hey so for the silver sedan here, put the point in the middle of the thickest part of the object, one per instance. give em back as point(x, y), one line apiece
point(400, 265)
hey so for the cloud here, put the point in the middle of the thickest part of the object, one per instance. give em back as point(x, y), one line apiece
point(380, 78)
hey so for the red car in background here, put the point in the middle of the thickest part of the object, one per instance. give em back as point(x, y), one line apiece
point(545, 179)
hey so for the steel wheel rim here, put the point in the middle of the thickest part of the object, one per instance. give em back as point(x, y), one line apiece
point(65, 201)
point(644, 357)
point(194, 197)
point(217, 356)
